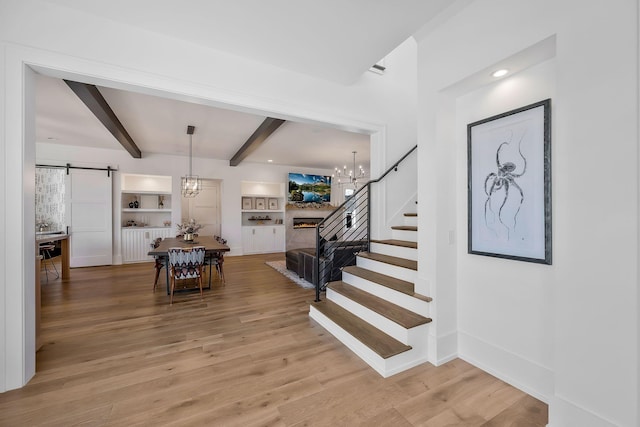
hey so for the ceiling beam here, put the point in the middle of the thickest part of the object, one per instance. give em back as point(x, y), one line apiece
point(93, 99)
point(259, 136)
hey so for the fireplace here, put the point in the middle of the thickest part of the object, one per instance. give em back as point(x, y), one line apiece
point(306, 222)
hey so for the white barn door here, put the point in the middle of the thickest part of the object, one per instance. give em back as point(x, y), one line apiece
point(89, 211)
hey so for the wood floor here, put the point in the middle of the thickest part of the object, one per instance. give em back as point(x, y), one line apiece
point(116, 354)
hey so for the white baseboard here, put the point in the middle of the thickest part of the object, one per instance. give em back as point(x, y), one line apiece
point(526, 375)
point(446, 348)
point(563, 413)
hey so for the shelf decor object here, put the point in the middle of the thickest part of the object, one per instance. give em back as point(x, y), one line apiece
point(247, 203)
point(191, 184)
point(509, 184)
point(188, 229)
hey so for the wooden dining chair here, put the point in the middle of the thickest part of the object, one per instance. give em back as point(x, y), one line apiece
point(159, 262)
point(186, 263)
point(217, 259)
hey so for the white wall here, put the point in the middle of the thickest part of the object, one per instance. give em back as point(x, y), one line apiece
point(492, 290)
point(176, 167)
point(66, 43)
point(586, 343)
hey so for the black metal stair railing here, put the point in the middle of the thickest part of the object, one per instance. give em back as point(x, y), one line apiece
point(344, 233)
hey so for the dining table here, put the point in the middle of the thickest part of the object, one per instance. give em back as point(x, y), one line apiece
point(212, 248)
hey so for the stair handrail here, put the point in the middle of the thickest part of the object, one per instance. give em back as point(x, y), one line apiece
point(339, 210)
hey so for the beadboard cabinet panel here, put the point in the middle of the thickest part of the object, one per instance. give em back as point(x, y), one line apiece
point(136, 242)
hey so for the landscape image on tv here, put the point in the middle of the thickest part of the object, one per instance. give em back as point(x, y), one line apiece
point(306, 188)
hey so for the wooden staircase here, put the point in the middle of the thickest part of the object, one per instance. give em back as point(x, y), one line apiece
point(374, 309)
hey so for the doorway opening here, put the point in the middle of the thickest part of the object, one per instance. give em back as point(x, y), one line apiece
point(205, 208)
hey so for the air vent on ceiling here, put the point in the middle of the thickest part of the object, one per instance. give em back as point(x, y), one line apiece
point(378, 67)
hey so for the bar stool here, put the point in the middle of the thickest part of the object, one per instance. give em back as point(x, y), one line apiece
point(45, 251)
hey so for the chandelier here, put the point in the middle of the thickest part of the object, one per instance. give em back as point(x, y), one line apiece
point(191, 184)
point(350, 177)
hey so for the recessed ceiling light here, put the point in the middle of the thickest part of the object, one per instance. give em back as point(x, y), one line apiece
point(270, 161)
point(501, 72)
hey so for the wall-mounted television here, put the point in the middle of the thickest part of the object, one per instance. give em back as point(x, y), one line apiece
point(307, 188)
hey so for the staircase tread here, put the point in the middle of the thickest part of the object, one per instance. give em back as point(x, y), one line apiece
point(396, 242)
point(405, 227)
point(403, 317)
point(410, 214)
point(388, 259)
point(388, 281)
point(382, 344)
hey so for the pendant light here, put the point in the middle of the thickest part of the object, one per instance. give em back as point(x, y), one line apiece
point(191, 184)
point(352, 175)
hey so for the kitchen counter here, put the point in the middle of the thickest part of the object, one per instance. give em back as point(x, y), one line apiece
point(50, 236)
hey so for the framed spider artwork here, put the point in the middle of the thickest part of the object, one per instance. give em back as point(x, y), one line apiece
point(509, 184)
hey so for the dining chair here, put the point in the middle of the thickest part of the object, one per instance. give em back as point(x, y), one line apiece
point(186, 263)
point(217, 259)
point(45, 251)
point(159, 261)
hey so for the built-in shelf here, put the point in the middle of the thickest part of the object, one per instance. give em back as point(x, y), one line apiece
point(262, 209)
point(160, 193)
point(146, 200)
point(143, 210)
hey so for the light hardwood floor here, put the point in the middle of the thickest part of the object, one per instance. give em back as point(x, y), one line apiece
point(115, 353)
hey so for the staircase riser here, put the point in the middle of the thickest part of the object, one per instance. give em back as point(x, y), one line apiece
point(384, 367)
point(385, 325)
point(388, 269)
point(397, 251)
point(411, 236)
point(361, 350)
point(403, 300)
point(411, 220)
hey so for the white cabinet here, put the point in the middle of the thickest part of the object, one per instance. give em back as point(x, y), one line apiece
point(262, 210)
point(136, 242)
point(263, 239)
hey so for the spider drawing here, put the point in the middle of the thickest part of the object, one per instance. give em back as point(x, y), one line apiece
point(504, 179)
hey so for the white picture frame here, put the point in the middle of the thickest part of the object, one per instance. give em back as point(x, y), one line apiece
point(247, 203)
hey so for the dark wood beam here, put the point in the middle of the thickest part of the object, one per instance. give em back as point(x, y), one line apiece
point(259, 136)
point(93, 99)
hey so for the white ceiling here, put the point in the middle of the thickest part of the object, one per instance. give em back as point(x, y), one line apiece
point(335, 40)
point(158, 125)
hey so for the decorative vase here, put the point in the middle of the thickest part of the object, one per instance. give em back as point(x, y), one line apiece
point(136, 204)
point(131, 205)
point(188, 237)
